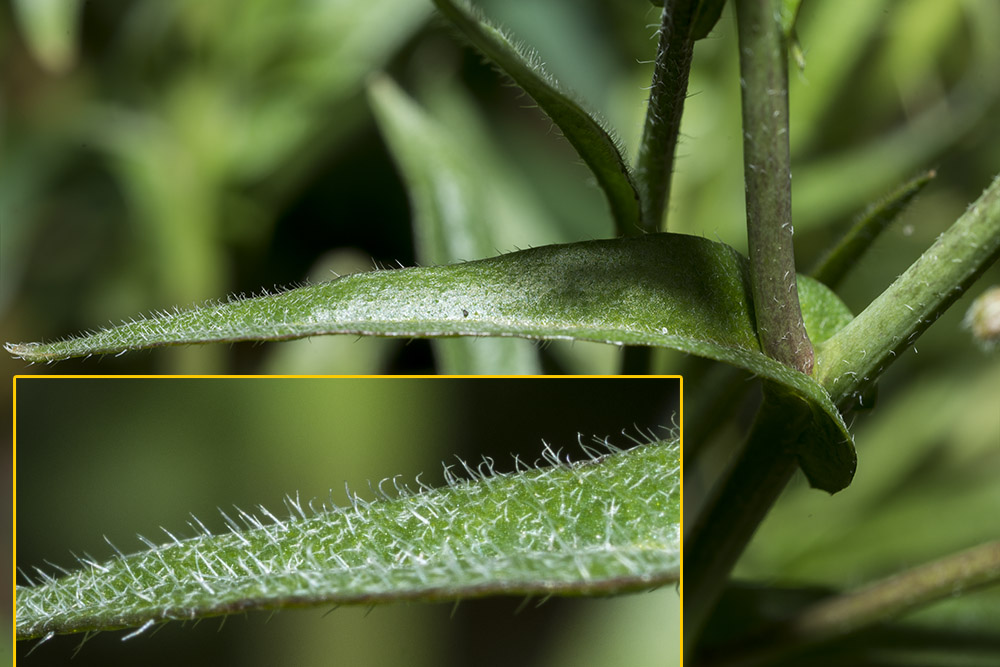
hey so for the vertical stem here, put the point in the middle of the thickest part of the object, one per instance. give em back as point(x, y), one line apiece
point(767, 168)
point(723, 528)
point(655, 162)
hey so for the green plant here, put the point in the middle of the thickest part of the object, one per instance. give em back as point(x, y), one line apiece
point(668, 290)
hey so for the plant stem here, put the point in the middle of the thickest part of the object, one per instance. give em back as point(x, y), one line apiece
point(866, 346)
point(729, 519)
point(767, 168)
point(849, 362)
point(880, 601)
point(655, 162)
point(901, 592)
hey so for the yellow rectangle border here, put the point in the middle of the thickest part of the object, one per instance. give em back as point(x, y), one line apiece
point(15, 379)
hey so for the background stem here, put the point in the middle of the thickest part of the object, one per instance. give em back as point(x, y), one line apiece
point(729, 519)
point(655, 163)
point(767, 169)
point(894, 595)
point(841, 615)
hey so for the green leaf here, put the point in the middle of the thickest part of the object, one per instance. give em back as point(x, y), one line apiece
point(836, 263)
point(789, 13)
point(454, 203)
point(663, 290)
point(704, 18)
point(695, 18)
point(609, 524)
point(50, 28)
point(589, 136)
point(823, 312)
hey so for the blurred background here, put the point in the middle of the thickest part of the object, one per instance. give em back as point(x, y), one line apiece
point(117, 457)
point(157, 153)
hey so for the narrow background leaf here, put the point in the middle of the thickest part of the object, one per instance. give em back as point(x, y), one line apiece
point(789, 12)
point(51, 29)
point(840, 258)
point(453, 200)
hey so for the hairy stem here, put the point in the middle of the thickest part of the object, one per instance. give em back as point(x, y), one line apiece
point(861, 350)
point(655, 162)
point(851, 360)
point(767, 168)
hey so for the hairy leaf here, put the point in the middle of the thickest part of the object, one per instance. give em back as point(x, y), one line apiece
point(608, 524)
point(665, 290)
point(595, 144)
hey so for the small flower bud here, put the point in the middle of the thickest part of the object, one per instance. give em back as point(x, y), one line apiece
point(983, 318)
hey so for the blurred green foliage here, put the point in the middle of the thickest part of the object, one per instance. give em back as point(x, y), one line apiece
point(172, 152)
point(181, 151)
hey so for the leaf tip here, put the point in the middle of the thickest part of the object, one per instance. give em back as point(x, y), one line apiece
point(21, 350)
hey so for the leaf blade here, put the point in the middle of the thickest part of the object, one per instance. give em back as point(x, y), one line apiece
point(506, 533)
point(666, 290)
point(596, 290)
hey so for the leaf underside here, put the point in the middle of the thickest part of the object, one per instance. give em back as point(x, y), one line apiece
point(665, 290)
point(609, 524)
